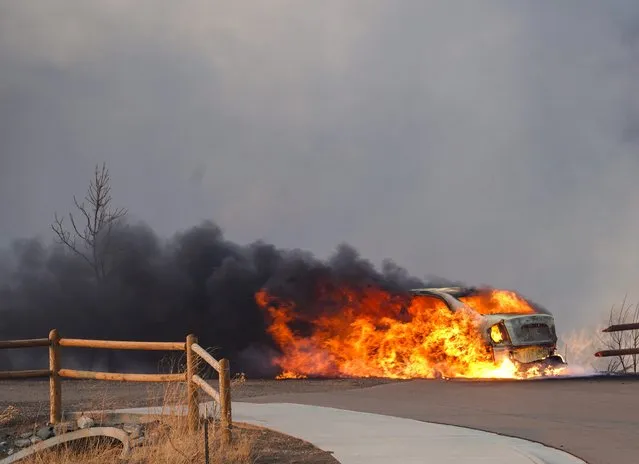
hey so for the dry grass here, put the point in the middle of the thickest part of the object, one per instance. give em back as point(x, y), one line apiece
point(171, 441)
point(9, 415)
point(174, 445)
point(168, 440)
point(262, 446)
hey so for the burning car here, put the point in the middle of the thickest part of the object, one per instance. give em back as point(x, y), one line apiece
point(368, 331)
point(512, 327)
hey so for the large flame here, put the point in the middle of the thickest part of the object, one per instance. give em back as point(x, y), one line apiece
point(498, 302)
point(372, 333)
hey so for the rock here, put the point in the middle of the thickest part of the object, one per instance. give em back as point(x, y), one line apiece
point(11, 451)
point(26, 435)
point(85, 422)
point(45, 432)
point(134, 430)
point(22, 442)
point(139, 442)
point(152, 437)
point(35, 439)
point(3, 444)
point(64, 427)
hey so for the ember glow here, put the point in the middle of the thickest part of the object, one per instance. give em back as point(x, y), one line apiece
point(349, 332)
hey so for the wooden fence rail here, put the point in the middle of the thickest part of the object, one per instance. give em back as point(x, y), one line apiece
point(55, 372)
point(118, 377)
point(122, 345)
point(621, 351)
point(621, 327)
point(30, 374)
point(34, 342)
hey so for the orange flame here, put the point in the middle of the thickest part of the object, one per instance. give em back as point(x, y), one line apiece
point(498, 302)
point(371, 333)
point(290, 375)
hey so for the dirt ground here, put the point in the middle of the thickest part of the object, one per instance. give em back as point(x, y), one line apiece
point(31, 397)
point(276, 448)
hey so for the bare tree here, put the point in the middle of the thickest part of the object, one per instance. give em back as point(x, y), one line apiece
point(90, 233)
point(624, 339)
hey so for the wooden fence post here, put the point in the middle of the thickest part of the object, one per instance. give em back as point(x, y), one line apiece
point(55, 394)
point(191, 387)
point(225, 397)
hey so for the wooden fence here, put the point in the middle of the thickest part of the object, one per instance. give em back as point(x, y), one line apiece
point(55, 372)
point(621, 351)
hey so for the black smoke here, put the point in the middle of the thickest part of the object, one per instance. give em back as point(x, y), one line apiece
point(196, 282)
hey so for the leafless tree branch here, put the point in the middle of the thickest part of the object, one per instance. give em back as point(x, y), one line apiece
point(91, 240)
point(622, 339)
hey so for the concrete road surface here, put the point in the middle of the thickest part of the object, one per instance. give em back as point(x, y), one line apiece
point(595, 419)
point(365, 438)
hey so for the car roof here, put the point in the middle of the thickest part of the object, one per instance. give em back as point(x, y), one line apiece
point(452, 291)
point(460, 292)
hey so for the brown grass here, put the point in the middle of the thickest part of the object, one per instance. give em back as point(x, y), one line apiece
point(9, 415)
point(168, 440)
point(172, 442)
point(175, 445)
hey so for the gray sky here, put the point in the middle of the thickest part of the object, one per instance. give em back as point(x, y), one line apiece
point(490, 142)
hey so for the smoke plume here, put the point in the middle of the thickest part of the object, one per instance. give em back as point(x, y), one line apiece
point(196, 282)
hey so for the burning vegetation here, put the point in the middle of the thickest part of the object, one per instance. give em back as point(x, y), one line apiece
point(348, 331)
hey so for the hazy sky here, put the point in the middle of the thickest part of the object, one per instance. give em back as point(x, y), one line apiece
point(491, 142)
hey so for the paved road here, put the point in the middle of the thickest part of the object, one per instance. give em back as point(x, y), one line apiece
point(594, 419)
point(365, 438)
